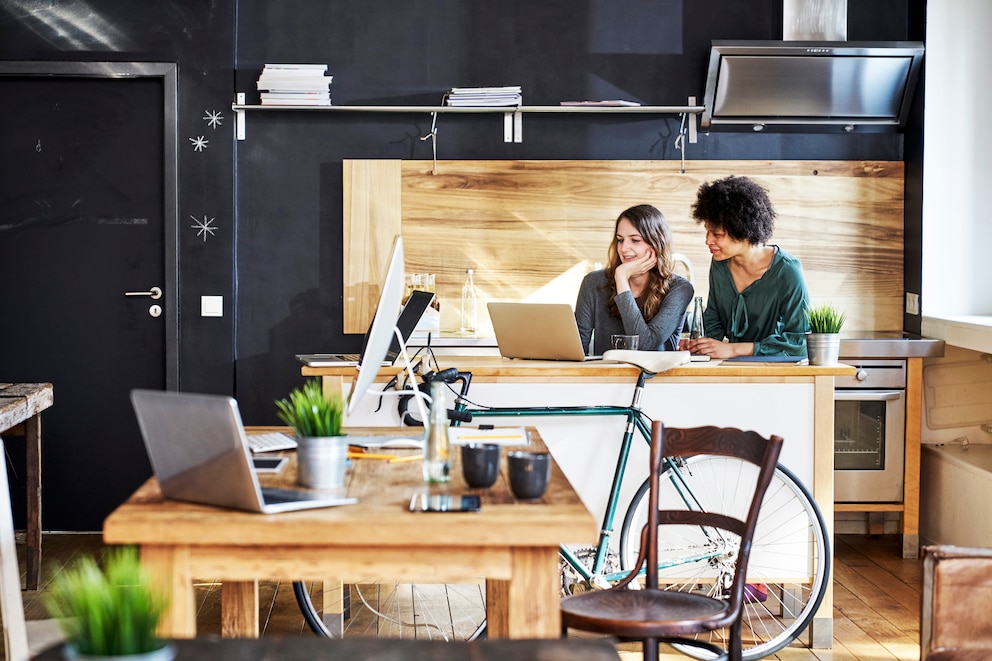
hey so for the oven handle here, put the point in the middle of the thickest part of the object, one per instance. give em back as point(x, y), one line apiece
point(868, 395)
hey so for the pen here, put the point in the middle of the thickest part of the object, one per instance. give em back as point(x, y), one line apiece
point(399, 460)
point(370, 455)
point(488, 436)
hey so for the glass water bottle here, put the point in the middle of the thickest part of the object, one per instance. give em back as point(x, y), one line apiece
point(696, 329)
point(437, 456)
point(470, 305)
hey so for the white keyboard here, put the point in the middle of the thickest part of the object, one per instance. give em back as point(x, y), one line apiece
point(270, 442)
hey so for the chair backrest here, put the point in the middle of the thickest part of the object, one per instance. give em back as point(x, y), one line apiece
point(677, 443)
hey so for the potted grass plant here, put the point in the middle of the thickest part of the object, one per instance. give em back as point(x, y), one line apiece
point(322, 452)
point(109, 612)
point(823, 340)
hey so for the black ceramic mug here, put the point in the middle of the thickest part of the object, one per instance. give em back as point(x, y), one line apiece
point(529, 473)
point(480, 464)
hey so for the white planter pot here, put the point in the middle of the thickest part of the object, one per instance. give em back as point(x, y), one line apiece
point(823, 348)
point(321, 461)
point(167, 653)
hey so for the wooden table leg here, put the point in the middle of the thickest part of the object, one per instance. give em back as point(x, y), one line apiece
point(169, 570)
point(497, 597)
point(239, 609)
point(334, 606)
point(32, 443)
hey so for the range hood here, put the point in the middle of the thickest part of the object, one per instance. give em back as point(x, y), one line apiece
point(828, 84)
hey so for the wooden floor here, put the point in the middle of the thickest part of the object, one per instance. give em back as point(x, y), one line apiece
point(876, 600)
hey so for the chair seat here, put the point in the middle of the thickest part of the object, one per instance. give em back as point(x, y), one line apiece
point(639, 613)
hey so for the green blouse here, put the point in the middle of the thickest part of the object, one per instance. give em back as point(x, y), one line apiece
point(771, 311)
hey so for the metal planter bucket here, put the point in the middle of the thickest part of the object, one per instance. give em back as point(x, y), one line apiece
point(823, 348)
point(321, 461)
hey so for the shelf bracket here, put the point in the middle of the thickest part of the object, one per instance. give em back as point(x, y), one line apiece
point(513, 125)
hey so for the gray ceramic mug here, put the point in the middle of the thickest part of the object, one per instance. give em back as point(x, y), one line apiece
point(480, 464)
point(529, 472)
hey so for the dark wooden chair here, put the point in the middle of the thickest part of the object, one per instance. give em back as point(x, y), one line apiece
point(652, 614)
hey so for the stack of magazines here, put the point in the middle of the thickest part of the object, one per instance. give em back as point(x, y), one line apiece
point(295, 85)
point(483, 96)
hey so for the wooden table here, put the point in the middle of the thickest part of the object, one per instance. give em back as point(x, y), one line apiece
point(514, 545)
point(21, 405)
point(308, 648)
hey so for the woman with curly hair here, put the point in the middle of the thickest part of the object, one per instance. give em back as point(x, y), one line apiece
point(637, 293)
point(758, 298)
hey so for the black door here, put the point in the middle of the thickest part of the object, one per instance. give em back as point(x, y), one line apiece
point(83, 222)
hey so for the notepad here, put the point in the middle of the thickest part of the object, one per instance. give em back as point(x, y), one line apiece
point(498, 435)
point(767, 360)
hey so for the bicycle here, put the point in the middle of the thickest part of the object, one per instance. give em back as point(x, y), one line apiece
point(790, 561)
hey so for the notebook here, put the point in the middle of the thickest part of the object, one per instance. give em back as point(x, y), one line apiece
point(199, 453)
point(543, 331)
point(407, 322)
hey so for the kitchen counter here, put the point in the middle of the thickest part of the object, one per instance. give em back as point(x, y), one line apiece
point(793, 401)
point(853, 344)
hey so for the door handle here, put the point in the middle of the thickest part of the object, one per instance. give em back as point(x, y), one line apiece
point(154, 292)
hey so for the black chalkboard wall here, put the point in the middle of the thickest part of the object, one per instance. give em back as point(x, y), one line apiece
point(276, 197)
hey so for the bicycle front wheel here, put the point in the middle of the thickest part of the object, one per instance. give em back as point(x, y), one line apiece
point(391, 609)
point(790, 559)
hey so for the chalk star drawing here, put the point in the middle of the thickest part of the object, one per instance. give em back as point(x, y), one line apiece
point(213, 118)
point(203, 227)
point(199, 144)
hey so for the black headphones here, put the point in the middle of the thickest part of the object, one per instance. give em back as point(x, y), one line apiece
point(449, 376)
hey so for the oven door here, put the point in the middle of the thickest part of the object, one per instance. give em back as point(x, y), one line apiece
point(869, 445)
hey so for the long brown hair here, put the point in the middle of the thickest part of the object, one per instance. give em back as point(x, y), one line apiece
point(650, 223)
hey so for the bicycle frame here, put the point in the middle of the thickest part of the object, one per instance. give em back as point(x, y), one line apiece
point(635, 420)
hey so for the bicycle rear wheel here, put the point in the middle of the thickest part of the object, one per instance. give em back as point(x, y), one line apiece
point(790, 558)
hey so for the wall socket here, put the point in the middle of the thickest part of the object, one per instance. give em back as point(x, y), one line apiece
point(912, 303)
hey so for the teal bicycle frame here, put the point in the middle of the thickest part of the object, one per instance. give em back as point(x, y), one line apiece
point(635, 420)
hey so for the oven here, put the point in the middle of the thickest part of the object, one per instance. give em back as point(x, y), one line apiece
point(869, 432)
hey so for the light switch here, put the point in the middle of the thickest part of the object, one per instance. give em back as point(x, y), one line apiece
point(211, 306)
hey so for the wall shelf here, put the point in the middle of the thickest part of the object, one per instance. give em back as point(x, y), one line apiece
point(512, 115)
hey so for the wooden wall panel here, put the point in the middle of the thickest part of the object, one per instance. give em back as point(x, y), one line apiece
point(532, 229)
point(372, 213)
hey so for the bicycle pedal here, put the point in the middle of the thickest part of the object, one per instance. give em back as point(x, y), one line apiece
point(599, 582)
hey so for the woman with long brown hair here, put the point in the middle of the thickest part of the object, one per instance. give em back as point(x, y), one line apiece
point(637, 293)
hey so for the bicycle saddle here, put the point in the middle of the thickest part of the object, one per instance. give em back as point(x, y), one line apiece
point(654, 362)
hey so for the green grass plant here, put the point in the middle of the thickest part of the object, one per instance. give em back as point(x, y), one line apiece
point(112, 611)
point(310, 413)
point(825, 318)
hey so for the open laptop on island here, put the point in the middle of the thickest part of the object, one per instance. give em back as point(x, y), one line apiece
point(542, 331)
point(407, 322)
point(199, 453)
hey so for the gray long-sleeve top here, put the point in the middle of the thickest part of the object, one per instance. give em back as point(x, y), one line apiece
point(594, 321)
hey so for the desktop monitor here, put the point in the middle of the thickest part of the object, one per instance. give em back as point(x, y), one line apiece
point(382, 331)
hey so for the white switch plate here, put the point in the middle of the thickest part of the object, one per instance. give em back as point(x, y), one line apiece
point(912, 303)
point(211, 306)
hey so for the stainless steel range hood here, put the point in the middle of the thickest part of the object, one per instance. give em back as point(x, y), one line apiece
point(845, 84)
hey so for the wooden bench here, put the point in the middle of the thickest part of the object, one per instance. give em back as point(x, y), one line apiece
point(21, 405)
point(307, 648)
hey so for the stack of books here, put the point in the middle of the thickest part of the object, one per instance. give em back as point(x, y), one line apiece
point(484, 96)
point(295, 85)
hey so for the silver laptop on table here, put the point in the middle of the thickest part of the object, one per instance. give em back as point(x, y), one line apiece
point(199, 453)
point(407, 322)
point(543, 331)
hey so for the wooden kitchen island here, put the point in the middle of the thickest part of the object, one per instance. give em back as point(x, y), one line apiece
point(795, 402)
